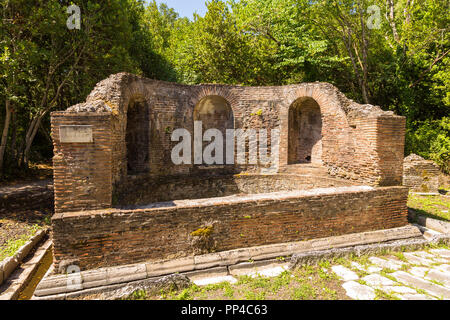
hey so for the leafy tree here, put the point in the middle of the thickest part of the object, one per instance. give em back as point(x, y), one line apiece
point(45, 66)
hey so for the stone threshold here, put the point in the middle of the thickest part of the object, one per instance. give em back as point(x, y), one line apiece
point(98, 280)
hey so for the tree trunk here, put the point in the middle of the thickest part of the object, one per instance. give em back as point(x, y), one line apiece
point(14, 151)
point(5, 133)
point(30, 137)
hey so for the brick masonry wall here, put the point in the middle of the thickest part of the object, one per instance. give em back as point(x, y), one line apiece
point(142, 190)
point(112, 237)
point(421, 176)
point(82, 171)
point(353, 135)
point(390, 149)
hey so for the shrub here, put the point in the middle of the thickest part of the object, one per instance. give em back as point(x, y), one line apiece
point(431, 140)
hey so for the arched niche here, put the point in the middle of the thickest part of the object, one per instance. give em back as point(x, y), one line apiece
point(138, 137)
point(305, 132)
point(214, 112)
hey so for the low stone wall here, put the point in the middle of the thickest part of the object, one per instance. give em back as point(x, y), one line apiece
point(104, 238)
point(31, 196)
point(420, 175)
point(142, 190)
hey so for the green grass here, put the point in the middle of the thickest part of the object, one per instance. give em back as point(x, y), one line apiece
point(305, 283)
point(308, 282)
point(436, 207)
point(13, 245)
point(304, 292)
point(381, 295)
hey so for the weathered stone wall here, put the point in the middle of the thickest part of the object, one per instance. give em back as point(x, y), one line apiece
point(103, 238)
point(420, 175)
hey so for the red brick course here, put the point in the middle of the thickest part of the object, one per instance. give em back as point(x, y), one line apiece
point(114, 237)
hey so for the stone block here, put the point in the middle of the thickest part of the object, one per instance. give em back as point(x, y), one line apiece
point(76, 134)
point(235, 256)
point(172, 266)
point(94, 278)
point(127, 273)
point(207, 261)
point(9, 265)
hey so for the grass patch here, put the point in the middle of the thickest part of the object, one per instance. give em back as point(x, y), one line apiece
point(435, 207)
point(13, 245)
point(381, 295)
point(306, 283)
point(400, 256)
point(304, 292)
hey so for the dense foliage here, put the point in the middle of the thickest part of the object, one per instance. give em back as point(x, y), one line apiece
point(393, 53)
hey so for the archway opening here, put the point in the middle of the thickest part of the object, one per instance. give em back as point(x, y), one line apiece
point(305, 132)
point(215, 113)
point(138, 137)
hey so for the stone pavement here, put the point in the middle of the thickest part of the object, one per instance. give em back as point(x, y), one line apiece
point(417, 275)
point(421, 275)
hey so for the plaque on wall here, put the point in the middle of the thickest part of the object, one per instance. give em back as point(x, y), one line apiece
point(76, 134)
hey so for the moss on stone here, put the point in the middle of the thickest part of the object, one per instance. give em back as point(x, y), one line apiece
point(202, 232)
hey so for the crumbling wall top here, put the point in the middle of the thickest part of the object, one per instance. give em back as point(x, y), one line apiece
point(110, 94)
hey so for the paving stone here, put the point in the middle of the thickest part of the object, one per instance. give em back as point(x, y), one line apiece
point(399, 289)
point(441, 260)
point(440, 276)
point(358, 291)
point(443, 268)
point(433, 289)
point(434, 258)
point(252, 270)
point(270, 272)
point(375, 280)
point(214, 280)
point(370, 269)
point(344, 273)
point(441, 252)
point(383, 263)
point(356, 265)
point(423, 254)
point(416, 297)
point(418, 271)
point(417, 260)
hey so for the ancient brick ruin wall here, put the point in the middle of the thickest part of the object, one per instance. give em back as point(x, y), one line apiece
point(360, 143)
point(421, 175)
point(82, 171)
point(115, 237)
point(142, 190)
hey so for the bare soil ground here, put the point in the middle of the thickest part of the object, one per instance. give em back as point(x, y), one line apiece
point(17, 227)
